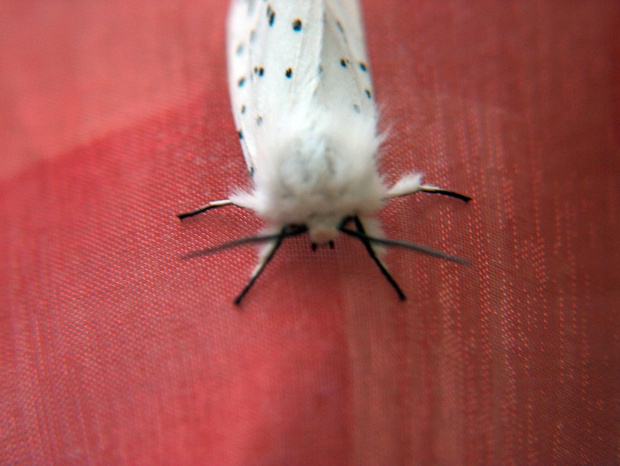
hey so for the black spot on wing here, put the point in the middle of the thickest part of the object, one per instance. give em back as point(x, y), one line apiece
point(271, 15)
point(241, 82)
point(259, 120)
point(363, 66)
point(368, 93)
point(297, 25)
point(243, 109)
point(289, 73)
point(357, 108)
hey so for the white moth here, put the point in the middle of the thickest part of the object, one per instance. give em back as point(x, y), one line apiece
point(302, 100)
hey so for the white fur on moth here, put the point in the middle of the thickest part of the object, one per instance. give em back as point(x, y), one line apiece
point(302, 101)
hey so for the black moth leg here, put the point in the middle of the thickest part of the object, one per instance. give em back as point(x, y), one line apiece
point(434, 190)
point(373, 255)
point(204, 208)
point(261, 265)
point(408, 186)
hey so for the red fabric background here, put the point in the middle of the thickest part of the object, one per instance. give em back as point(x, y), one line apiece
point(114, 116)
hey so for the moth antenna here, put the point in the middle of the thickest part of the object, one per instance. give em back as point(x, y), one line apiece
point(361, 234)
point(211, 205)
point(230, 244)
point(404, 244)
point(263, 263)
point(246, 240)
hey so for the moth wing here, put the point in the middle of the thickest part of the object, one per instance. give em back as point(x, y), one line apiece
point(242, 20)
point(273, 62)
point(346, 82)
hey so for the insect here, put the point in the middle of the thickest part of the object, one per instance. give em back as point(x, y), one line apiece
point(303, 104)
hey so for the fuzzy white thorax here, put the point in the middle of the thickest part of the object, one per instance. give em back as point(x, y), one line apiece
point(315, 168)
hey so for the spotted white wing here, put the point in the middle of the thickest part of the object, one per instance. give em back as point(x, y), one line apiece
point(286, 55)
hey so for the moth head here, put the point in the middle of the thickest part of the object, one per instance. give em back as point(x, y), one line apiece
point(322, 228)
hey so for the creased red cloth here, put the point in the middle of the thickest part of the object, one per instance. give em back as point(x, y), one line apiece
point(115, 115)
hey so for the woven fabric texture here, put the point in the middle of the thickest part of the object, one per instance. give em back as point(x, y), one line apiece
point(115, 115)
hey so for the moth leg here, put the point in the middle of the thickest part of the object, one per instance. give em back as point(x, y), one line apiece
point(204, 208)
point(374, 257)
point(266, 256)
point(427, 188)
point(411, 184)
